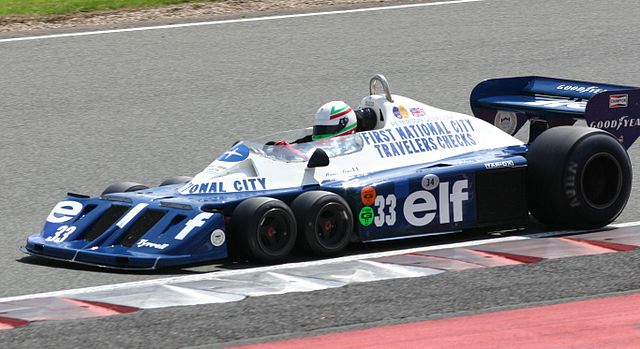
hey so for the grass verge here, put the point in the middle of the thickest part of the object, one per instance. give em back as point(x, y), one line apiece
point(62, 7)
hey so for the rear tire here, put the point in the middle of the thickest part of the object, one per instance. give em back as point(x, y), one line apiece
point(325, 222)
point(124, 187)
point(578, 177)
point(263, 229)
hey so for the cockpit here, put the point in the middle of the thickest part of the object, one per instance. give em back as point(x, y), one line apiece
point(292, 150)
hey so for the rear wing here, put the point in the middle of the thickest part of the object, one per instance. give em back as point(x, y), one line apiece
point(509, 102)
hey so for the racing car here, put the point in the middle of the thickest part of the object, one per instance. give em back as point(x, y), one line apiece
point(410, 170)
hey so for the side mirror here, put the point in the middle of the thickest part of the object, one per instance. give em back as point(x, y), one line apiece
point(318, 159)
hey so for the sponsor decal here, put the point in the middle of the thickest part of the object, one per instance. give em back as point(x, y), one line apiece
point(420, 207)
point(216, 168)
point(420, 138)
point(507, 121)
point(396, 112)
point(401, 112)
point(404, 113)
point(206, 188)
point(417, 112)
point(195, 222)
point(250, 184)
point(618, 101)
point(430, 181)
point(580, 89)
point(344, 171)
point(570, 190)
point(368, 102)
point(413, 121)
point(499, 164)
point(622, 122)
point(147, 243)
point(64, 211)
point(217, 237)
point(368, 196)
point(240, 185)
point(236, 154)
point(366, 216)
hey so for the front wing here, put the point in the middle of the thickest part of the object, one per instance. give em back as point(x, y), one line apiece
point(126, 232)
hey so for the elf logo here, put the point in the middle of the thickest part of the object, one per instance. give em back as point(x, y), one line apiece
point(64, 211)
point(195, 222)
point(420, 207)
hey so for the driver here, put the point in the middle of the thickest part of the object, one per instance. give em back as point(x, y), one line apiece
point(334, 119)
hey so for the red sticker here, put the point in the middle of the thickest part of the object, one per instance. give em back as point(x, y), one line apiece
point(368, 195)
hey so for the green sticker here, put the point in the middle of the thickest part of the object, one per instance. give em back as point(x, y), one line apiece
point(366, 216)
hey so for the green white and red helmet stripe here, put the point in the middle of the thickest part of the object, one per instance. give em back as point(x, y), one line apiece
point(340, 112)
point(349, 129)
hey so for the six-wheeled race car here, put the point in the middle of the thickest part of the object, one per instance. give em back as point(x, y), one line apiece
point(410, 170)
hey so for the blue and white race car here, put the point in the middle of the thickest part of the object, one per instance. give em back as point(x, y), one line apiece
point(411, 170)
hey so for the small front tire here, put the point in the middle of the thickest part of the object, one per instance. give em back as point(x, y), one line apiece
point(176, 180)
point(124, 187)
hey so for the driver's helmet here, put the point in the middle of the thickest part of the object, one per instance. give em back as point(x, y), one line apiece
point(335, 118)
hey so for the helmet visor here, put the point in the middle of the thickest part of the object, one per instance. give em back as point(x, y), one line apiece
point(327, 130)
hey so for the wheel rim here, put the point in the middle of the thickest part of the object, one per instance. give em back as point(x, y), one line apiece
point(274, 231)
point(601, 180)
point(331, 225)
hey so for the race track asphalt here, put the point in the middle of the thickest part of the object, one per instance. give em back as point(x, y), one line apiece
point(78, 113)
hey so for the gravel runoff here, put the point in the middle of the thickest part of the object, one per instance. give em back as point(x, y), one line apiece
point(192, 11)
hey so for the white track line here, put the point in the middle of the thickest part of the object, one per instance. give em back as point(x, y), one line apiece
point(624, 225)
point(241, 20)
point(227, 273)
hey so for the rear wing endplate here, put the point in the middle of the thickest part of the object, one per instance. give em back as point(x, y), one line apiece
point(547, 102)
